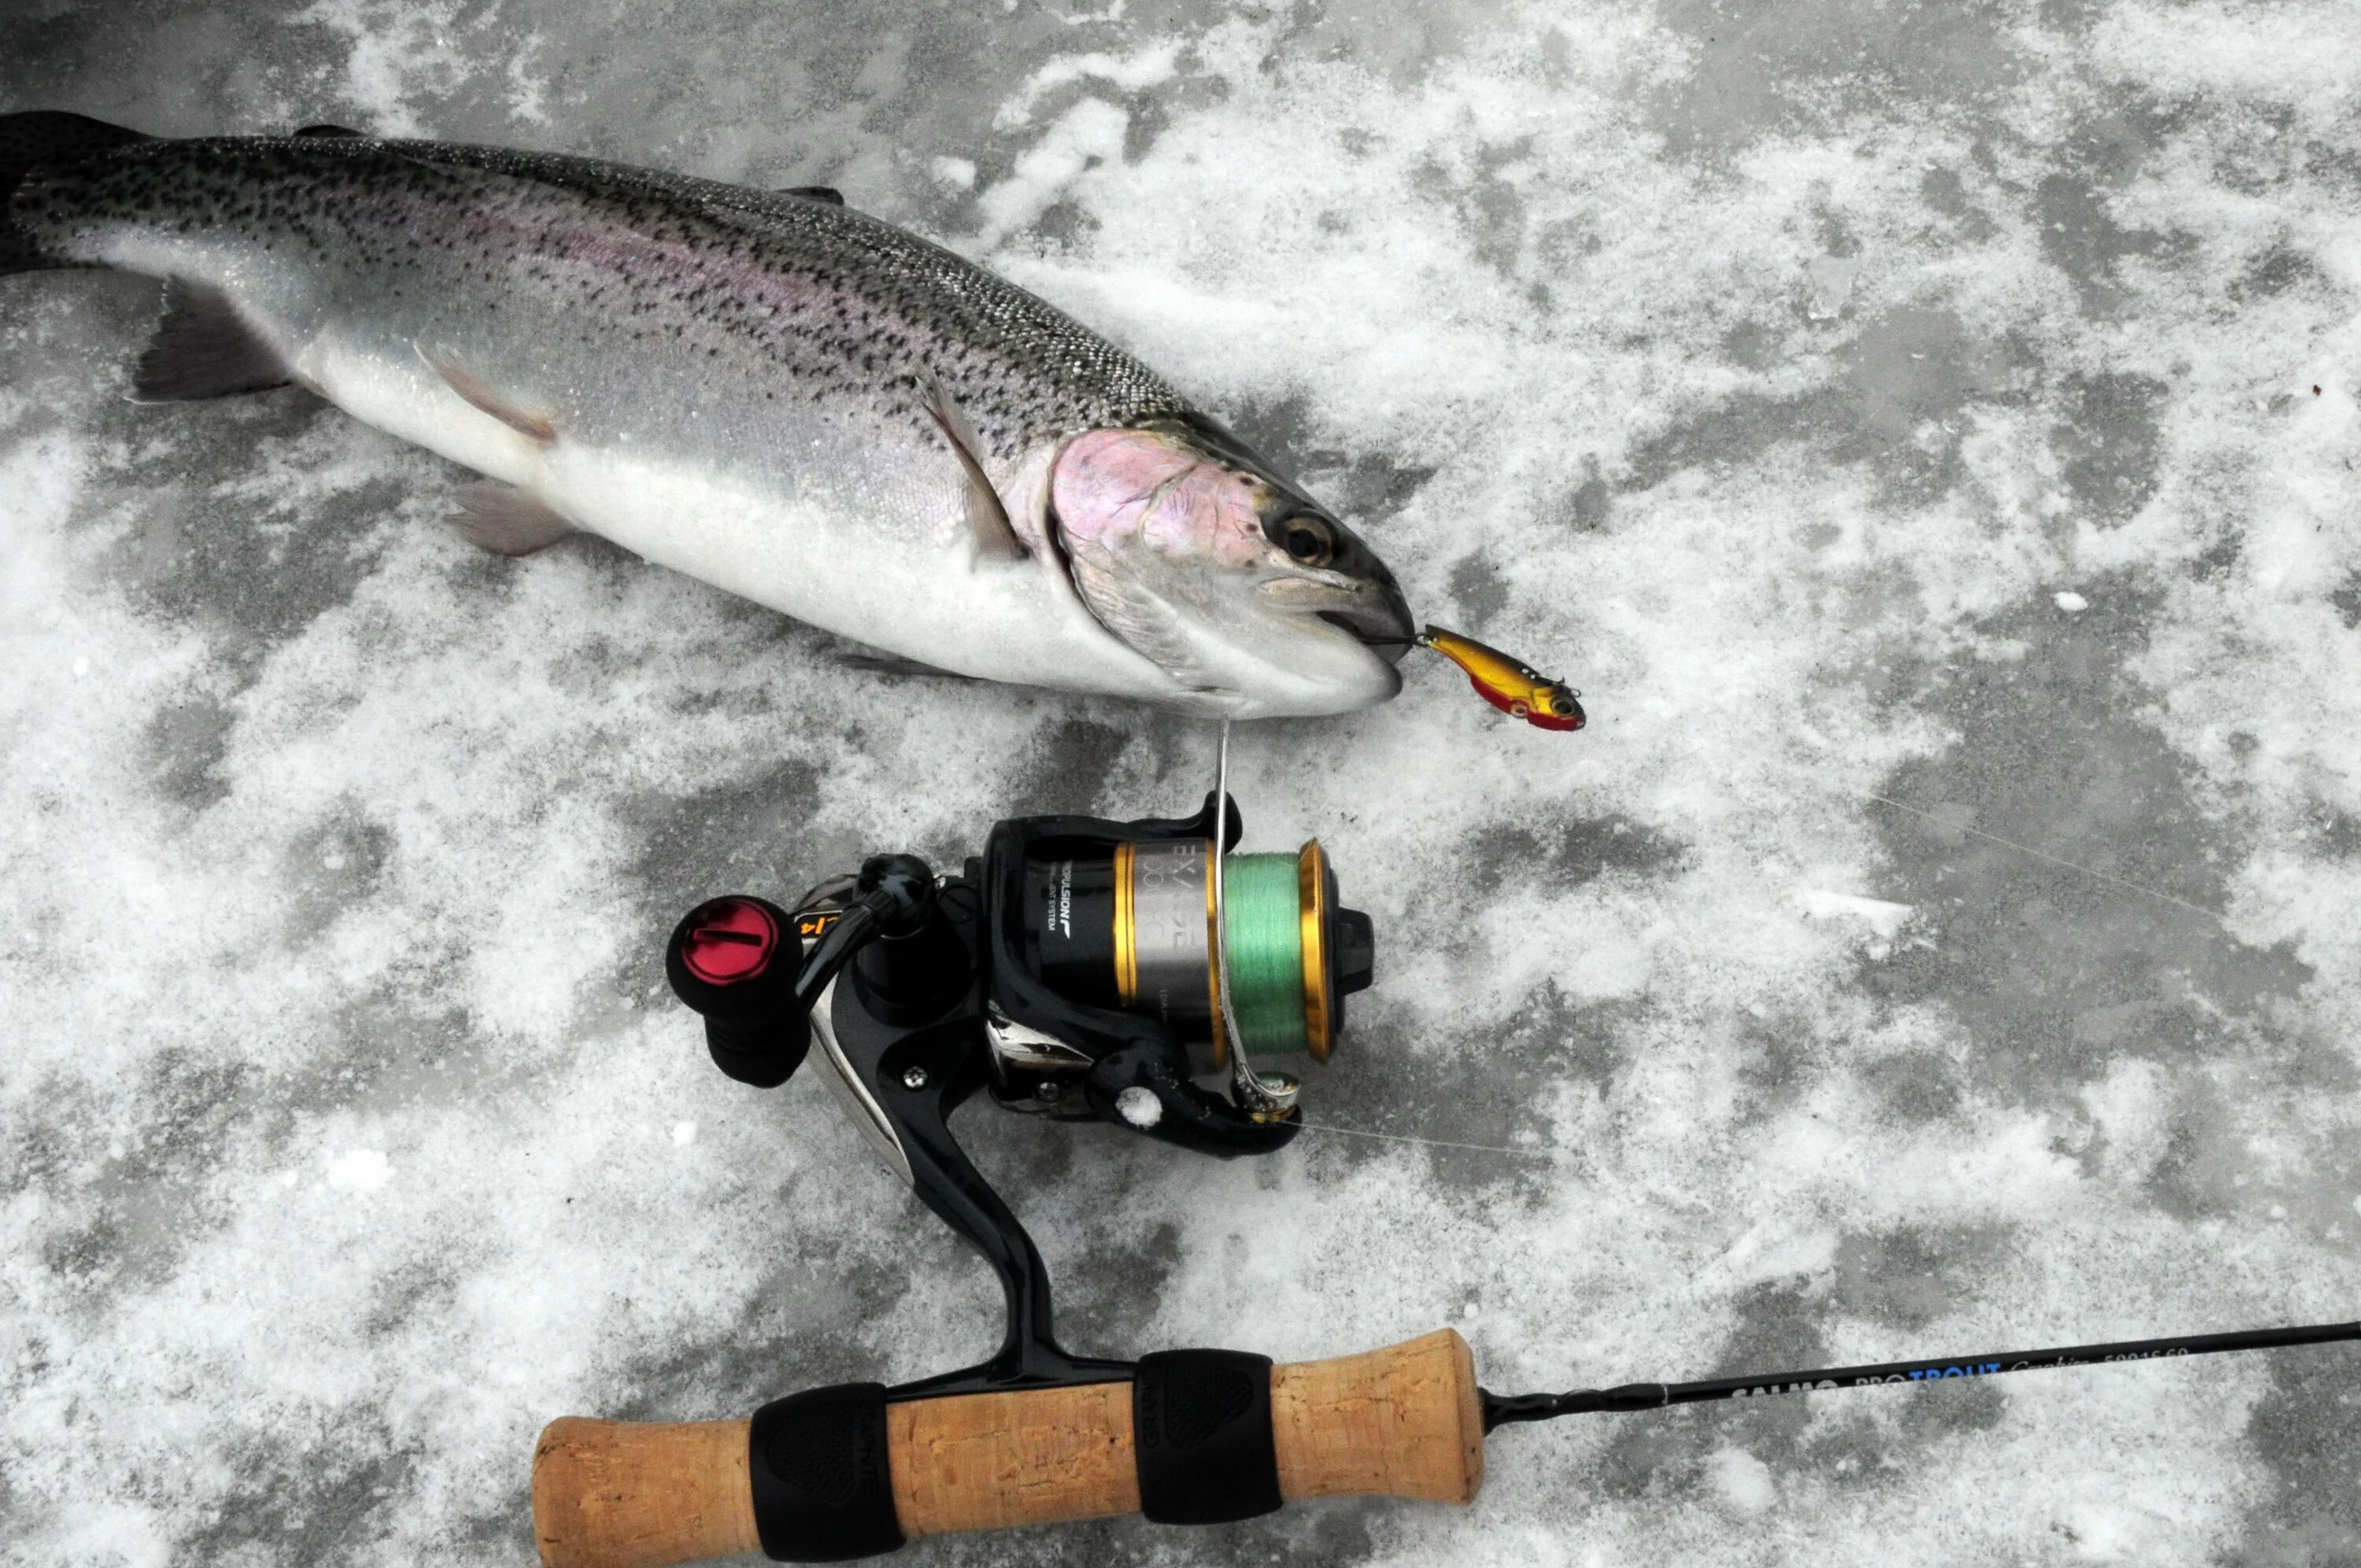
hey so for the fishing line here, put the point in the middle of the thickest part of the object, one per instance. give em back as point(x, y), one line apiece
point(1271, 1098)
point(1833, 793)
point(2092, 872)
point(1431, 1143)
point(1262, 925)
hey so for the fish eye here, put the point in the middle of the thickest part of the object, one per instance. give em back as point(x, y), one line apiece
point(1308, 539)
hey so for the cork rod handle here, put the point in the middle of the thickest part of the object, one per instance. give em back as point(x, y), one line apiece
point(1403, 1421)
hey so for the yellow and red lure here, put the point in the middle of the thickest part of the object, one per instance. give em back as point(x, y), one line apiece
point(1513, 688)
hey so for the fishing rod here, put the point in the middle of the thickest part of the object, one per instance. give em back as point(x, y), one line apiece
point(1507, 1410)
point(1079, 969)
point(1183, 1443)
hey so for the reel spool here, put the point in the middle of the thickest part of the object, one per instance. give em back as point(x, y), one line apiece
point(1131, 926)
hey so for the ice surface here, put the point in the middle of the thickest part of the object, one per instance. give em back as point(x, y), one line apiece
point(1830, 279)
point(1904, 959)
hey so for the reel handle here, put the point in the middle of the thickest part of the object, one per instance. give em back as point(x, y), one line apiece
point(1403, 1421)
point(733, 961)
point(738, 962)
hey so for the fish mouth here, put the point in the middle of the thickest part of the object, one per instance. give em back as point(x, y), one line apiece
point(1371, 611)
point(1381, 622)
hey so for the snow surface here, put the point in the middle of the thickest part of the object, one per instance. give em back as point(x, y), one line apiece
point(1905, 960)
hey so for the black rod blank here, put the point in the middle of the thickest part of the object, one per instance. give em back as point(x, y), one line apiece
point(1502, 1409)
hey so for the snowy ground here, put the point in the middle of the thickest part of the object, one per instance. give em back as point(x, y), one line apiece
point(1914, 427)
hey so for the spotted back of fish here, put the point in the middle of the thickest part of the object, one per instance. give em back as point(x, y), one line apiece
point(837, 303)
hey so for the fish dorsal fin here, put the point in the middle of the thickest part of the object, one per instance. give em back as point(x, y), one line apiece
point(829, 193)
point(505, 520)
point(321, 131)
point(987, 519)
point(526, 423)
point(202, 348)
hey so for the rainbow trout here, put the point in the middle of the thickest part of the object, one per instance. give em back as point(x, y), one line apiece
point(764, 390)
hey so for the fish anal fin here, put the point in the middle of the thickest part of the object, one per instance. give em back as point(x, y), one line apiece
point(878, 662)
point(987, 519)
point(479, 395)
point(326, 130)
point(202, 348)
point(828, 194)
point(505, 520)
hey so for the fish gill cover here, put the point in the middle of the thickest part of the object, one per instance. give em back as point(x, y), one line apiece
point(1919, 428)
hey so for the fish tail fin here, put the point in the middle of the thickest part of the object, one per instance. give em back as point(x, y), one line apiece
point(39, 138)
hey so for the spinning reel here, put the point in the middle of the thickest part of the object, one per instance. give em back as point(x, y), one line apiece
point(1079, 969)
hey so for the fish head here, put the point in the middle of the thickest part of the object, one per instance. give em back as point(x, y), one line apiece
point(1196, 554)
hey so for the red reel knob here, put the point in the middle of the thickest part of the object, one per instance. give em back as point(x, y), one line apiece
point(728, 941)
point(733, 960)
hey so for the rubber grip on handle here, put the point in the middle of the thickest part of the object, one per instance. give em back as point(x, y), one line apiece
point(1403, 1421)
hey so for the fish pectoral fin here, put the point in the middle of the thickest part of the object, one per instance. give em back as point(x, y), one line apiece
point(828, 194)
point(987, 519)
point(203, 348)
point(479, 396)
point(1138, 618)
point(505, 520)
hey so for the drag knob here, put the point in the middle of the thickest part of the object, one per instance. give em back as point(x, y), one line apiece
point(733, 960)
point(1356, 951)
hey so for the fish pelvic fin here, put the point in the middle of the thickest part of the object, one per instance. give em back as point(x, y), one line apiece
point(828, 194)
point(505, 520)
point(987, 519)
point(478, 395)
point(203, 348)
point(876, 661)
point(40, 138)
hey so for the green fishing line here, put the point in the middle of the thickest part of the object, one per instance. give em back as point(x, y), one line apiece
point(1262, 925)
